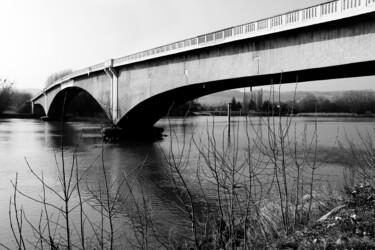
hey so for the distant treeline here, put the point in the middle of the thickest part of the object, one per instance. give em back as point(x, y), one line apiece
point(355, 101)
point(12, 99)
point(359, 102)
point(84, 105)
point(57, 75)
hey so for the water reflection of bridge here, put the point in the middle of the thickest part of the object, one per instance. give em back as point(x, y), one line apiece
point(331, 40)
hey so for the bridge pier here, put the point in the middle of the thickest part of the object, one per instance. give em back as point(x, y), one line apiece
point(32, 107)
point(113, 74)
point(45, 102)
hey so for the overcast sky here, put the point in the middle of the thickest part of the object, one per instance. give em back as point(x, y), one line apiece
point(39, 37)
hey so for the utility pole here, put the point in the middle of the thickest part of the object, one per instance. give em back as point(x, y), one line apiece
point(229, 110)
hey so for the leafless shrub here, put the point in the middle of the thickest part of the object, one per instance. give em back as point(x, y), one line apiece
point(359, 157)
point(250, 196)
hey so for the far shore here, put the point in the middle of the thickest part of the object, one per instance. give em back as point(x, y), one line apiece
point(9, 114)
point(320, 114)
point(302, 114)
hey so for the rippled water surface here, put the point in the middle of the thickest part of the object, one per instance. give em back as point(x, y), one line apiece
point(38, 144)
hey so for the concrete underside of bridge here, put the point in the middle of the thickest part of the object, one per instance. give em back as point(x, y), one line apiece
point(146, 90)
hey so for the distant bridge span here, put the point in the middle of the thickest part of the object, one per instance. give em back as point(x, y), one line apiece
point(332, 40)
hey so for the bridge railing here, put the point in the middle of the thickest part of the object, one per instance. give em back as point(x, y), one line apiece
point(328, 11)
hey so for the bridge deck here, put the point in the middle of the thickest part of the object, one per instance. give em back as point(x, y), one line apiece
point(326, 12)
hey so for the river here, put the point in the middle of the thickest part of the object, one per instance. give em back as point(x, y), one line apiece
point(38, 144)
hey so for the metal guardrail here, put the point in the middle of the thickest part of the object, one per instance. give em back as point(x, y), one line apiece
point(273, 24)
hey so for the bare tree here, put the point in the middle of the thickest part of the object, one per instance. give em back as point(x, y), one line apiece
point(6, 91)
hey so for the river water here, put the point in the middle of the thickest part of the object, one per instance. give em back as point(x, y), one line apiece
point(34, 145)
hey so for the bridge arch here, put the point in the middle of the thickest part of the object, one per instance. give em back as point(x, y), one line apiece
point(38, 110)
point(147, 112)
point(75, 99)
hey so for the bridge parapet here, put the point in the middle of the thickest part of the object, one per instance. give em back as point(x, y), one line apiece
point(329, 11)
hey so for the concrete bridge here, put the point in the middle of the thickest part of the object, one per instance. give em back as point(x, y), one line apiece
point(331, 40)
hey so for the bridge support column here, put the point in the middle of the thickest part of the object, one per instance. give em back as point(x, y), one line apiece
point(113, 74)
point(45, 102)
point(32, 107)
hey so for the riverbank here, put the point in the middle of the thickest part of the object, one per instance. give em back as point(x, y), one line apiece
point(317, 114)
point(321, 114)
point(101, 118)
point(11, 114)
point(68, 117)
point(350, 225)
